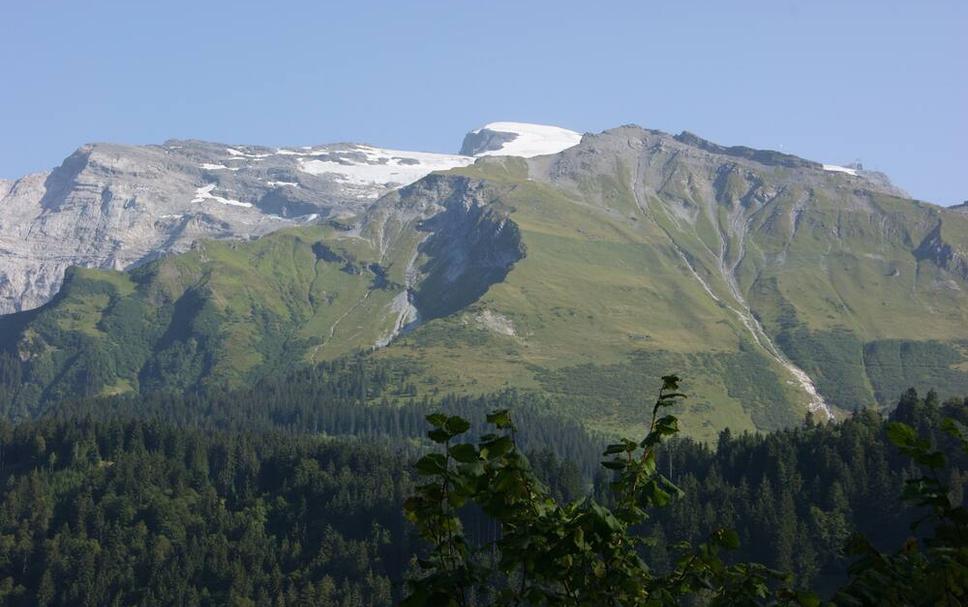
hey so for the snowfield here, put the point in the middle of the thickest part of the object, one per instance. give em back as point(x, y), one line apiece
point(366, 165)
point(839, 169)
point(531, 140)
point(360, 167)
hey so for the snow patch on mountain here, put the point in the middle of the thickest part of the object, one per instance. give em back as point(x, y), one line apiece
point(836, 168)
point(205, 193)
point(363, 165)
point(526, 140)
point(239, 154)
point(211, 166)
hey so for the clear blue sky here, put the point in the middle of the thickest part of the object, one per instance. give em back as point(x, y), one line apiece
point(882, 81)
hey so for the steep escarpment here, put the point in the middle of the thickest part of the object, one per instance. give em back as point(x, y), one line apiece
point(470, 249)
point(944, 254)
point(469, 244)
point(446, 239)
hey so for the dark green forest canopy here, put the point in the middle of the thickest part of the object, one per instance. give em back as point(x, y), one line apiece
point(263, 496)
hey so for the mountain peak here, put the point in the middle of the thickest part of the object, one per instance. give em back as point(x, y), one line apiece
point(518, 139)
point(770, 157)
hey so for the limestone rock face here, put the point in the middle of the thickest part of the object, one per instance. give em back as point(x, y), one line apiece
point(115, 206)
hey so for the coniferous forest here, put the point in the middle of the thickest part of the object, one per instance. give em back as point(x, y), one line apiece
point(292, 492)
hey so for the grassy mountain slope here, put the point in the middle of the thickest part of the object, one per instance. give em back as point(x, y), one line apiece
point(582, 275)
point(644, 255)
point(592, 313)
point(225, 313)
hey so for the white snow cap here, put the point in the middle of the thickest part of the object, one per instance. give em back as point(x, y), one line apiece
point(531, 139)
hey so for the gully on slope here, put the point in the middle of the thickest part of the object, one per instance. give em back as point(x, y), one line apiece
point(816, 402)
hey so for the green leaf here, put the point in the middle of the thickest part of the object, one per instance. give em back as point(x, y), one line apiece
point(901, 434)
point(411, 504)
point(432, 463)
point(667, 425)
point(497, 447)
point(464, 453)
point(626, 446)
point(475, 468)
point(439, 435)
point(615, 464)
point(598, 569)
point(500, 418)
point(727, 538)
point(659, 496)
point(933, 460)
point(670, 382)
point(436, 420)
point(456, 425)
point(670, 395)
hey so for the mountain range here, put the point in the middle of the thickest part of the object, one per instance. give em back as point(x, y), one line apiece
point(578, 267)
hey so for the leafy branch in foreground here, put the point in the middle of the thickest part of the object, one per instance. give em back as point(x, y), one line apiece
point(580, 553)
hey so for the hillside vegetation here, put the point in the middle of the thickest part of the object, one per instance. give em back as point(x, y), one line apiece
point(293, 492)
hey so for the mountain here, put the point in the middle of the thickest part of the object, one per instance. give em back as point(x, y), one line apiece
point(775, 284)
point(117, 206)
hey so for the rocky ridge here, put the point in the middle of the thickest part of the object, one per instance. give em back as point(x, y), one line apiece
point(118, 206)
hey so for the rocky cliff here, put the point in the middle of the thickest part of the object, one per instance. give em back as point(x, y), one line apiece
point(115, 206)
